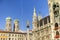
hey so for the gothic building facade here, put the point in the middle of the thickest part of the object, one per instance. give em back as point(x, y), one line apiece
point(47, 28)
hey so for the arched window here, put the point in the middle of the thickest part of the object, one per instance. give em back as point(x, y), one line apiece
point(54, 6)
point(56, 24)
point(57, 33)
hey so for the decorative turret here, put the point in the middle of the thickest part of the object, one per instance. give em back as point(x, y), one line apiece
point(39, 17)
point(34, 14)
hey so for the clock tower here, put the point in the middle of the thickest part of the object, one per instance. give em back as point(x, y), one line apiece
point(54, 11)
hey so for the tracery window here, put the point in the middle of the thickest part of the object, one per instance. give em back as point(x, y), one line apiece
point(56, 9)
point(56, 24)
point(57, 34)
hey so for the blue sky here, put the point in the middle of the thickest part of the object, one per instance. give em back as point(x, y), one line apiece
point(22, 10)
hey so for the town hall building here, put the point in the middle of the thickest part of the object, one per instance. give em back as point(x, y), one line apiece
point(47, 28)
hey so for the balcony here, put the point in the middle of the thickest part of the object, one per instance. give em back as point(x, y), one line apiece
point(57, 36)
point(56, 28)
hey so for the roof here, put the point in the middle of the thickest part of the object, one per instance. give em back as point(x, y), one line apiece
point(16, 20)
point(1, 31)
point(8, 18)
point(45, 20)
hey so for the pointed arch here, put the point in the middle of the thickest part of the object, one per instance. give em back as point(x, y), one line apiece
point(57, 33)
point(56, 24)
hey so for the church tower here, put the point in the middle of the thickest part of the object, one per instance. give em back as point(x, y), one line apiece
point(16, 26)
point(34, 24)
point(54, 11)
point(8, 24)
point(34, 20)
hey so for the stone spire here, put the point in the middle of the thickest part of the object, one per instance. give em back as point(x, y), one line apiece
point(34, 15)
point(34, 22)
point(34, 12)
point(39, 17)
